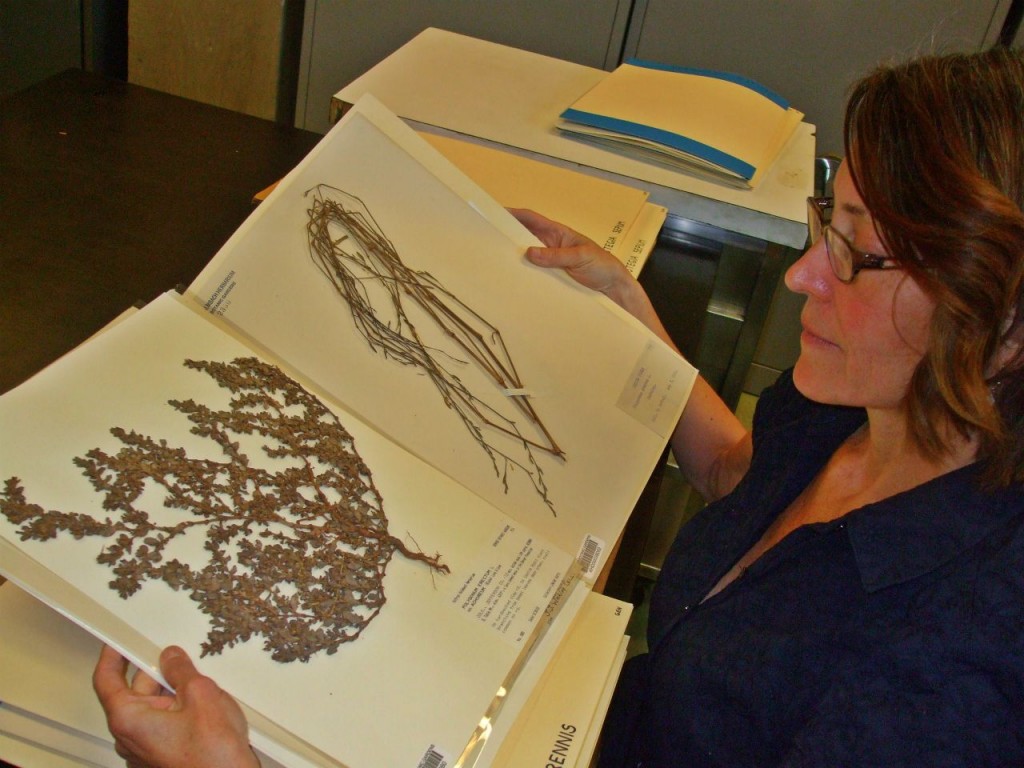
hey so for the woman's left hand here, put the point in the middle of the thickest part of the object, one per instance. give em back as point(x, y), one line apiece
point(589, 265)
point(198, 725)
point(583, 259)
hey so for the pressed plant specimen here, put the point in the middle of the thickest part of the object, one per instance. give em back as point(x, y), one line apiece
point(296, 540)
point(391, 305)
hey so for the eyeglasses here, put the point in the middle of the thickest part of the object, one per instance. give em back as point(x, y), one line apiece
point(846, 261)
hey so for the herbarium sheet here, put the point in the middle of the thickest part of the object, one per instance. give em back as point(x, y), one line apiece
point(401, 288)
point(181, 484)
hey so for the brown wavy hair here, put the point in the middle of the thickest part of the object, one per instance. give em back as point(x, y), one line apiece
point(936, 151)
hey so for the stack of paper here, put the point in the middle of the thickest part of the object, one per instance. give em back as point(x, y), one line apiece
point(695, 119)
point(49, 715)
point(369, 494)
point(512, 98)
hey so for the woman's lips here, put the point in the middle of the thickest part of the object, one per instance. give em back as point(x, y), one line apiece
point(808, 336)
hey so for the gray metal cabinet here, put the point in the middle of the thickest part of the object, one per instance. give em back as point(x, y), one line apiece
point(344, 38)
point(808, 50)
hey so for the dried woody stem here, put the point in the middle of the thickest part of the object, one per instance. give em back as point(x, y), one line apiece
point(349, 247)
point(296, 555)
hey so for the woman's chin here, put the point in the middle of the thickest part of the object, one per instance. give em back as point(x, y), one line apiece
point(812, 382)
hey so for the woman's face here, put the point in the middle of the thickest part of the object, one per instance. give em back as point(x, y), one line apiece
point(861, 341)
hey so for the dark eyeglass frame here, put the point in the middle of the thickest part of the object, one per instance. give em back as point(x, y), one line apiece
point(845, 260)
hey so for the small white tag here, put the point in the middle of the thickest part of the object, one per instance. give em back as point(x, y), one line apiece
point(435, 757)
point(590, 555)
point(655, 389)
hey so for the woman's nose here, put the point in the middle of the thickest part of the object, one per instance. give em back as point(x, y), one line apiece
point(810, 273)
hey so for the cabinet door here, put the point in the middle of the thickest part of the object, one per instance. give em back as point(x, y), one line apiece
point(221, 53)
point(38, 38)
point(344, 38)
point(809, 51)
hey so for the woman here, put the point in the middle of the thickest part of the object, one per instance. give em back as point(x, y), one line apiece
point(853, 594)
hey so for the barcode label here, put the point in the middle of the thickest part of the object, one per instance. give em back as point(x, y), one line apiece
point(434, 758)
point(589, 555)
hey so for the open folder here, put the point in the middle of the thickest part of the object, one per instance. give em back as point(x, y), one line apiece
point(364, 470)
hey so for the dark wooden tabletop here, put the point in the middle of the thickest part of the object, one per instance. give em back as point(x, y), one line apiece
point(111, 194)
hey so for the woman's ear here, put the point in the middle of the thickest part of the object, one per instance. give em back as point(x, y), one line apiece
point(1008, 356)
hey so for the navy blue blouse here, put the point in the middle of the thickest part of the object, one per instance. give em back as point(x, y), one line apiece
point(892, 636)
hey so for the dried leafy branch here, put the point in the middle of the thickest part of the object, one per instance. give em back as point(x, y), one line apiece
point(296, 555)
point(382, 292)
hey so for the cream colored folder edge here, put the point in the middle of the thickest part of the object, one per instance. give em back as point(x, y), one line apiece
point(19, 752)
point(615, 216)
point(565, 710)
point(54, 739)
